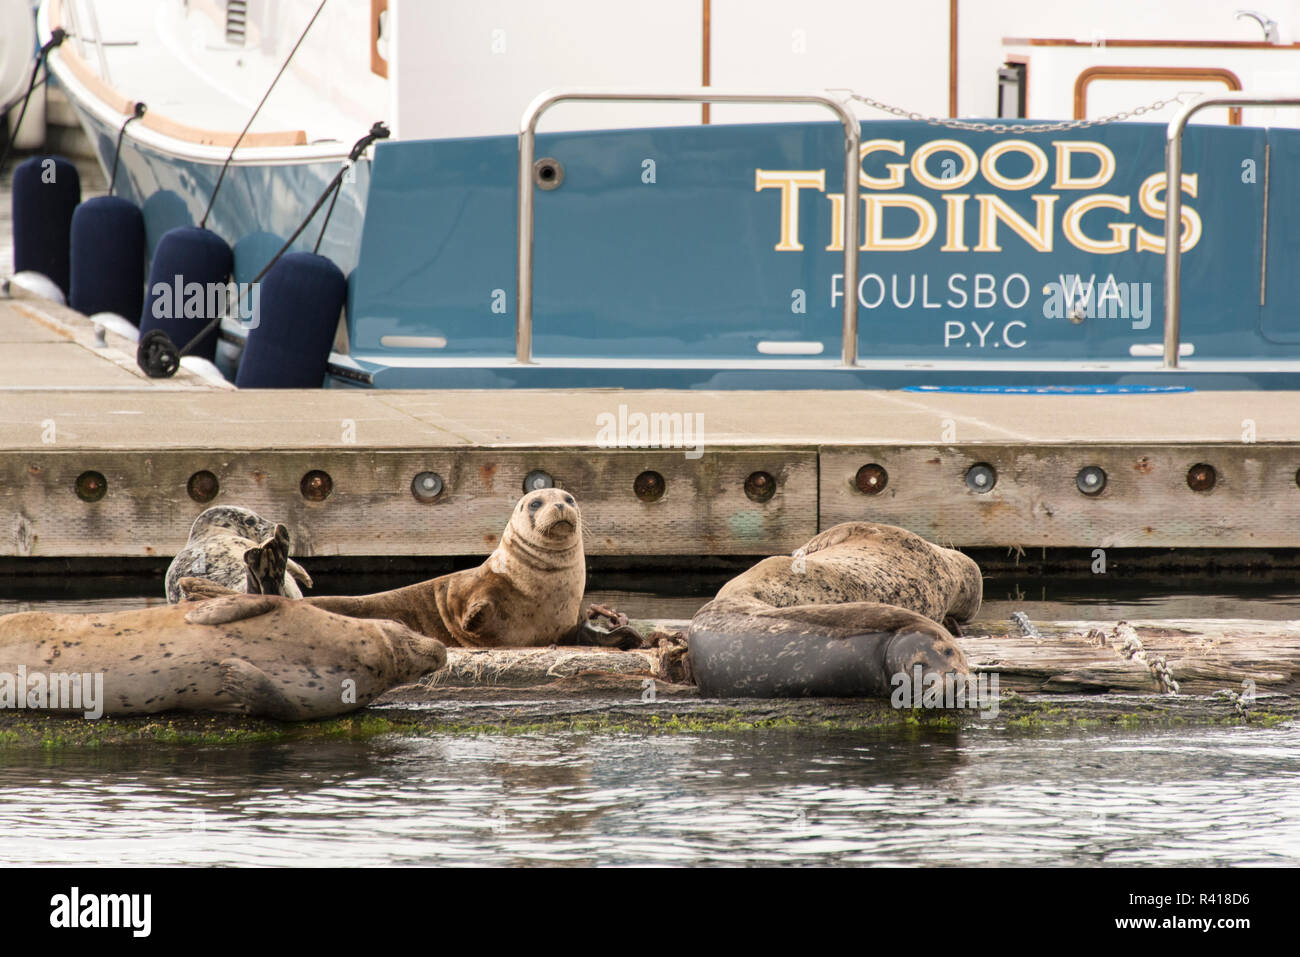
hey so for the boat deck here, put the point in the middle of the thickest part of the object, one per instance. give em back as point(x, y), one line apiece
point(759, 472)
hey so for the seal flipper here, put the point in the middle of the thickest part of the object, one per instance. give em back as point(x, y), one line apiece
point(475, 616)
point(252, 688)
point(200, 589)
point(268, 563)
point(222, 611)
point(300, 573)
point(838, 534)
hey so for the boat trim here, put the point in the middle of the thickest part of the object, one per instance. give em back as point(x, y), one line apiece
point(1126, 366)
point(1148, 73)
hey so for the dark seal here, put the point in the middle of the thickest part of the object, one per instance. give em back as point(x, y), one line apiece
point(857, 605)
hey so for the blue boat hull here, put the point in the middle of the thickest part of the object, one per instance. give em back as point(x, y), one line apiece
point(676, 258)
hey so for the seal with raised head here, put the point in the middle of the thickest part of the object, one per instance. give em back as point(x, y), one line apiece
point(254, 654)
point(219, 539)
point(857, 605)
point(528, 592)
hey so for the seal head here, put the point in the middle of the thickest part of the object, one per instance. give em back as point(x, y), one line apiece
point(857, 605)
point(220, 541)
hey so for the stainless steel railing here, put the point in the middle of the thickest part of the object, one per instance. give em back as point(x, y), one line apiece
point(527, 149)
point(1174, 201)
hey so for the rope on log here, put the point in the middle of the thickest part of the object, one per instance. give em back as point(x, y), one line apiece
point(1129, 645)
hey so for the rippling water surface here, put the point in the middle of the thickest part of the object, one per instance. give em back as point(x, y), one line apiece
point(976, 797)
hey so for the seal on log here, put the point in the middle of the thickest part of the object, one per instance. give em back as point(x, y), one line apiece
point(528, 593)
point(857, 605)
point(255, 654)
point(219, 540)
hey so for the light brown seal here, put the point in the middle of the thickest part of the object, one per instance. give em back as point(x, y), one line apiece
point(856, 606)
point(256, 654)
point(528, 592)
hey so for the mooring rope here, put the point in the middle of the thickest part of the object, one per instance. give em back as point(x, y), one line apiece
point(137, 112)
point(1237, 699)
point(1127, 643)
point(1027, 629)
point(265, 96)
point(57, 36)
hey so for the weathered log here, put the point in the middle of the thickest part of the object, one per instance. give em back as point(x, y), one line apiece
point(1202, 656)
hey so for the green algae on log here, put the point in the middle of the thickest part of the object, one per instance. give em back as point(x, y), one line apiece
point(522, 714)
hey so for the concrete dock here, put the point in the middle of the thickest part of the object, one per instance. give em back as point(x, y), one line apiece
point(96, 460)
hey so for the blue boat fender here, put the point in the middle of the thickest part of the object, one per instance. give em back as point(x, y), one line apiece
point(108, 257)
point(296, 315)
point(187, 288)
point(46, 191)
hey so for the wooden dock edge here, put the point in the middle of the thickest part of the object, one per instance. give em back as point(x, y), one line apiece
point(145, 500)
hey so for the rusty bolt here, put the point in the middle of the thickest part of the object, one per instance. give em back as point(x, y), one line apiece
point(760, 487)
point(649, 486)
point(203, 486)
point(91, 486)
point(1201, 477)
point(871, 479)
point(316, 486)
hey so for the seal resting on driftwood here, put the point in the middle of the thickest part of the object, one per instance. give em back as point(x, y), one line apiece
point(857, 605)
point(254, 654)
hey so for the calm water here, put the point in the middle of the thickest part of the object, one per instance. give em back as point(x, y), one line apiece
point(980, 796)
point(1222, 796)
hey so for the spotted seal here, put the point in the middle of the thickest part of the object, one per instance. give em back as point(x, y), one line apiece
point(219, 539)
point(256, 654)
point(528, 592)
point(857, 605)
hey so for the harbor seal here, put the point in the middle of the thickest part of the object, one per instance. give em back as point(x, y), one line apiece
point(528, 593)
point(857, 605)
point(254, 654)
point(219, 539)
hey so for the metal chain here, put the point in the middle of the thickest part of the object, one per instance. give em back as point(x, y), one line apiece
point(955, 124)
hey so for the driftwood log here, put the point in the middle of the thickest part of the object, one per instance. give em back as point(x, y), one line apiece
point(1197, 657)
point(1202, 656)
